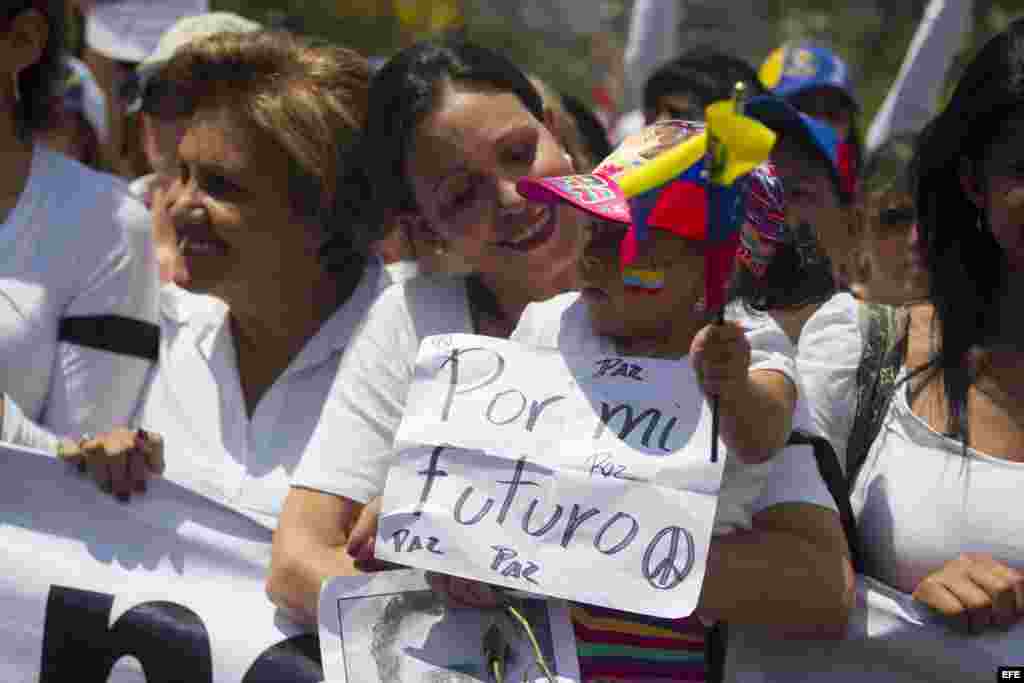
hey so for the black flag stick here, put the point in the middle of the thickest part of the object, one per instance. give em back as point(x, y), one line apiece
point(739, 92)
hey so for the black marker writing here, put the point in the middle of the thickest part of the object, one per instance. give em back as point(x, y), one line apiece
point(575, 519)
point(457, 512)
point(453, 380)
point(627, 539)
point(431, 473)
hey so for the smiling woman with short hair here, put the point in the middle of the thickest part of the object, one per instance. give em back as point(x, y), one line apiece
point(254, 335)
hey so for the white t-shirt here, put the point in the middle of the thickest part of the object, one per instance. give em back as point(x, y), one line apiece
point(195, 401)
point(351, 449)
point(918, 502)
point(563, 323)
point(75, 244)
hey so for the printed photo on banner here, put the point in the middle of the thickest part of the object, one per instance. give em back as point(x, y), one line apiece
point(392, 628)
point(557, 474)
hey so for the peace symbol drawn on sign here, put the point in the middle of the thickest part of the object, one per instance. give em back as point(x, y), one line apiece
point(666, 574)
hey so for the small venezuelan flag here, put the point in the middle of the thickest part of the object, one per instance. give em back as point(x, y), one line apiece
point(640, 278)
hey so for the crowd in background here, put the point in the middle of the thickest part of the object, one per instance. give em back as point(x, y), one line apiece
point(226, 241)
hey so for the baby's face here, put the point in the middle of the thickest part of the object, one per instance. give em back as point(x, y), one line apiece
point(618, 310)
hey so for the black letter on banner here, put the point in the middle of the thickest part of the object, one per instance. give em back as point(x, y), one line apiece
point(634, 530)
point(430, 473)
point(169, 640)
point(453, 383)
point(457, 512)
point(653, 415)
point(665, 574)
point(296, 660)
point(494, 402)
point(547, 525)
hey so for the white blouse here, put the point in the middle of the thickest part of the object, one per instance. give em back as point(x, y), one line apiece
point(918, 501)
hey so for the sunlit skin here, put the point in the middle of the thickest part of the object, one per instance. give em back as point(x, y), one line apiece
point(827, 104)
point(465, 161)
point(897, 274)
point(238, 231)
point(643, 323)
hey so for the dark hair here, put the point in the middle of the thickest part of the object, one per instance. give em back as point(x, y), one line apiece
point(592, 131)
point(403, 92)
point(966, 265)
point(36, 84)
point(799, 274)
point(706, 74)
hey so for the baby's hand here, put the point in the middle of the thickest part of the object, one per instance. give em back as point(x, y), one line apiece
point(720, 355)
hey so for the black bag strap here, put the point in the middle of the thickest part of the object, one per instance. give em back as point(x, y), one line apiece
point(114, 333)
point(835, 481)
point(825, 456)
point(884, 330)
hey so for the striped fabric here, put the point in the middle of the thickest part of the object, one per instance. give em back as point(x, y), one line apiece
point(616, 646)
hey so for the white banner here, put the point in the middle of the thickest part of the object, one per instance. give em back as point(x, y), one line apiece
point(390, 627)
point(558, 474)
point(166, 588)
point(891, 639)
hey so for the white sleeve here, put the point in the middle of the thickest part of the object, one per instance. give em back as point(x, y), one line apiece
point(351, 448)
point(912, 100)
point(794, 478)
point(770, 346)
point(527, 330)
point(653, 39)
point(20, 430)
point(92, 390)
point(828, 356)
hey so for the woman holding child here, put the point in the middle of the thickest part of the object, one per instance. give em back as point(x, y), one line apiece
point(472, 131)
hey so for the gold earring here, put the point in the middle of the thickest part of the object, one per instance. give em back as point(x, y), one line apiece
point(17, 87)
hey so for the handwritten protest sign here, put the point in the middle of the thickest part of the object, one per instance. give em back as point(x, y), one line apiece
point(891, 638)
point(168, 588)
point(582, 477)
point(390, 627)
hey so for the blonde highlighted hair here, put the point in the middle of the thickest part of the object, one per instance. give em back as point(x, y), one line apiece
point(308, 100)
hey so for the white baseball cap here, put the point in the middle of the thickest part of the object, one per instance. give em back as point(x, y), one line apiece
point(183, 32)
point(128, 30)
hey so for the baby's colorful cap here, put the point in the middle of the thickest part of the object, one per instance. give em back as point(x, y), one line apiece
point(598, 193)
